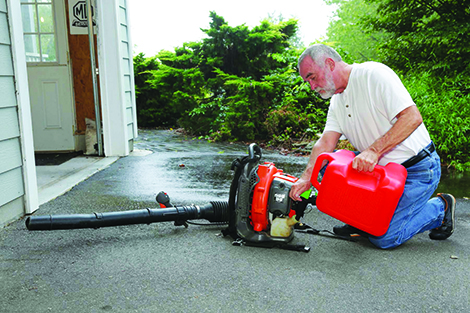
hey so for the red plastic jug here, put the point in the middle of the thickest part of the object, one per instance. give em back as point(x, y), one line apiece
point(365, 200)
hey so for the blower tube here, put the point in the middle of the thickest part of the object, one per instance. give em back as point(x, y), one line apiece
point(215, 211)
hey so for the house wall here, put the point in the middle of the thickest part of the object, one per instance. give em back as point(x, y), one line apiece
point(12, 188)
point(127, 72)
point(117, 85)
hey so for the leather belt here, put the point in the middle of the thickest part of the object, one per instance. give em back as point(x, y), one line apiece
point(421, 155)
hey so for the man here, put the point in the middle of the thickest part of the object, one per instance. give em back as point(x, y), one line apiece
point(374, 111)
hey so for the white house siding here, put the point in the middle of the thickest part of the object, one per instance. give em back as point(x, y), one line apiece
point(116, 80)
point(11, 166)
point(128, 72)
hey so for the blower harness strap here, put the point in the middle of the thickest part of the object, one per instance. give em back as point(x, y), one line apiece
point(307, 229)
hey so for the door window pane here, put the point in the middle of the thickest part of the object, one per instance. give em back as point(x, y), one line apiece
point(48, 48)
point(28, 13)
point(46, 20)
point(31, 44)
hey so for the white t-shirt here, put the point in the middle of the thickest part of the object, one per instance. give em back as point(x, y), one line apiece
point(368, 107)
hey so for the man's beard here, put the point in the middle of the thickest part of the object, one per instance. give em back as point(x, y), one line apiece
point(329, 89)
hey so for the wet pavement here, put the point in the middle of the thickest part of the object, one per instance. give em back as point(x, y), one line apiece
point(163, 268)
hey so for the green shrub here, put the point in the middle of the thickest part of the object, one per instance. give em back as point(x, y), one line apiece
point(444, 105)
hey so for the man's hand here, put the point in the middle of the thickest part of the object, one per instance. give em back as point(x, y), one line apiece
point(298, 188)
point(366, 161)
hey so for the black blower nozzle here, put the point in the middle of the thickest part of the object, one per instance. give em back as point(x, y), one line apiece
point(216, 211)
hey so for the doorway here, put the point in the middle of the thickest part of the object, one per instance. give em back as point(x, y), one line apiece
point(49, 75)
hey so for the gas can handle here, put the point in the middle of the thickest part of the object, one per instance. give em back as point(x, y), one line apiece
point(384, 180)
point(380, 171)
point(317, 168)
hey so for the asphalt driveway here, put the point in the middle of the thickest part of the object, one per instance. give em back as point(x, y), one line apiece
point(163, 268)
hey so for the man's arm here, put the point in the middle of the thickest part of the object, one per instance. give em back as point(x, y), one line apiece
point(407, 121)
point(326, 143)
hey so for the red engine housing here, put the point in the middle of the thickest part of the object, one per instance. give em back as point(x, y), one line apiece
point(259, 208)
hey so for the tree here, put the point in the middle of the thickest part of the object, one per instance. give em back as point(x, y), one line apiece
point(348, 33)
point(144, 92)
point(236, 62)
point(236, 84)
point(426, 42)
point(425, 34)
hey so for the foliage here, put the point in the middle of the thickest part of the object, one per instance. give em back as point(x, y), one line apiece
point(352, 38)
point(236, 84)
point(431, 35)
point(145, 94)
point(426, 41)
point(242, 84)
point(445, 111)
point(166, 86)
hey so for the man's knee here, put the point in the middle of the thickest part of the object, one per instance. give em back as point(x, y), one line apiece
point(385, 242)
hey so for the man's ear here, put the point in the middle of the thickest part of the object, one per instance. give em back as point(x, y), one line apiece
point(330, 63)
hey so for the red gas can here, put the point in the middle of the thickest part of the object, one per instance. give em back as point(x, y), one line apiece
point(365, 200)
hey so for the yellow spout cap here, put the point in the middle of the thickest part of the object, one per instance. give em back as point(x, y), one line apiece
point(282, 226)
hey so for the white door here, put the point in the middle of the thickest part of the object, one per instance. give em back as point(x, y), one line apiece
point(50, 84)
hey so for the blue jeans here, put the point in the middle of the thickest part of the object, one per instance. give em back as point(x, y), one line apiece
point(415, 212)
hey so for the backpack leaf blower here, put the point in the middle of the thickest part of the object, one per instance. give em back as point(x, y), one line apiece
point(259, 211)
